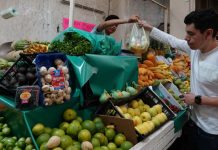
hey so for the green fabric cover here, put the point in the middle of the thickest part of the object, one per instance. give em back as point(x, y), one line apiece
point(104, 72)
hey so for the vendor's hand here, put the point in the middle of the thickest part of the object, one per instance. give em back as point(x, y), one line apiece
point(189, 98)
point(145, 25)
point(133, 19)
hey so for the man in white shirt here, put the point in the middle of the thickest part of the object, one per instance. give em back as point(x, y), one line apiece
point(200, 42)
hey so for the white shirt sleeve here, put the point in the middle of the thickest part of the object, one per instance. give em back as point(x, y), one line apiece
point(170, 40)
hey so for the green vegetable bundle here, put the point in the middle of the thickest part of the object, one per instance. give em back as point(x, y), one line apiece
point(72, 44)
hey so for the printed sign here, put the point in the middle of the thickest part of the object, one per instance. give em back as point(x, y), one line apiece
point(78, 24)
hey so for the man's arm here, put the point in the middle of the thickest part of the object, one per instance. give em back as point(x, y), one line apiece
point(205, 100)
point(113, 22)
point(165, 37)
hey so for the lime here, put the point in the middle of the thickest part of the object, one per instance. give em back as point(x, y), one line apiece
point(6, 131)
point(43, 146)
point(64, 126)
point(69, 114)
point(29, 147)
point(42, 139)
point(57, 148)
point(89, 125)
point(126, 145)
point(16, 148)
point(58, 132)
point(100, 136)
point(72, 147)
point(38, 129)
point(112, 146)
point(104, 148)
point(99, 127)
point(77, 144)
point(110, 133)
point(79, 119)
point(48, 130)
point(84, 135)
point(74, 128)
point(119, 139)
point(97, 119)
point(95, 142)
point(98, 148)
point(66, 141)
point(1, 146)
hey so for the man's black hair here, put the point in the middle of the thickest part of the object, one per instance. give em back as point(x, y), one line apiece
point(203, 20)
point(110, 17)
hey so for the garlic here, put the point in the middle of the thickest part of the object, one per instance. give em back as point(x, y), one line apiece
point(65, 69)
point(67, 76)
point(68, 90)
point(67, 97)
point(60, 93)
point(45, 88)
point(48, 78)
point(66, 83)
point(58, 62)
point(51, 70)
point(43, 71)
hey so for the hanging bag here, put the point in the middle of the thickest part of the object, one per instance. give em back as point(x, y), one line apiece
point(139, 40)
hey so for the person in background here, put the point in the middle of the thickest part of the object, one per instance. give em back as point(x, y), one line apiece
point(201, 131)
point(111, 23)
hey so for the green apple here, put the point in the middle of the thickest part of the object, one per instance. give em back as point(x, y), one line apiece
point(145, 116)
point(136, 120)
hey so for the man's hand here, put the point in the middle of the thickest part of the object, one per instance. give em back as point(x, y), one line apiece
point(133, 19)
point(189, 98)
point(145, 25)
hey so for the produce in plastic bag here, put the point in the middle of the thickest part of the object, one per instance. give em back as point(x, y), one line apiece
point(139, 40)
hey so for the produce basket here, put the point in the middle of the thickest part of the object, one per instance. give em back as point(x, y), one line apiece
point(47, 61)
point(22, 72)
point(111, 108)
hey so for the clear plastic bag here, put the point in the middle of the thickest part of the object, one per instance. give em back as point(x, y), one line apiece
point(139, 40)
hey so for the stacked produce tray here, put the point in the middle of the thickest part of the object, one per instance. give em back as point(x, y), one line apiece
point(111, 108)
point(22, 72)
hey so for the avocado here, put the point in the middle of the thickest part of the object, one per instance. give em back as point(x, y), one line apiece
point(22, 80)
point(30, 77)
point(22, 69)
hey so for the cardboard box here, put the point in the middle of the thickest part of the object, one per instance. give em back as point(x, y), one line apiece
point(122, 125)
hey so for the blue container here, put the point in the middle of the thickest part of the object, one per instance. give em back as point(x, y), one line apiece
point(47, 60)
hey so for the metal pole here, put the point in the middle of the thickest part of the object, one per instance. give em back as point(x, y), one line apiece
point(71, 13)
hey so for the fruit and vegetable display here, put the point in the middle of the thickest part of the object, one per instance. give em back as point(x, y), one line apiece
point(151, 70)
point(72, 44)
point(30, 47)
point(181, 65)
point(76, 133)
point(177, 98)
point(55, 83)
point(145, 118)
point(10, 142)
point(118, 94)
point(183, 84)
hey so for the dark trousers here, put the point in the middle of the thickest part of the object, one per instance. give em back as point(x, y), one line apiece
point(194, 138)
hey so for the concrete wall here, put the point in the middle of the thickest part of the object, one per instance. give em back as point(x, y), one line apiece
point(39, 19)
point(178, 10)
